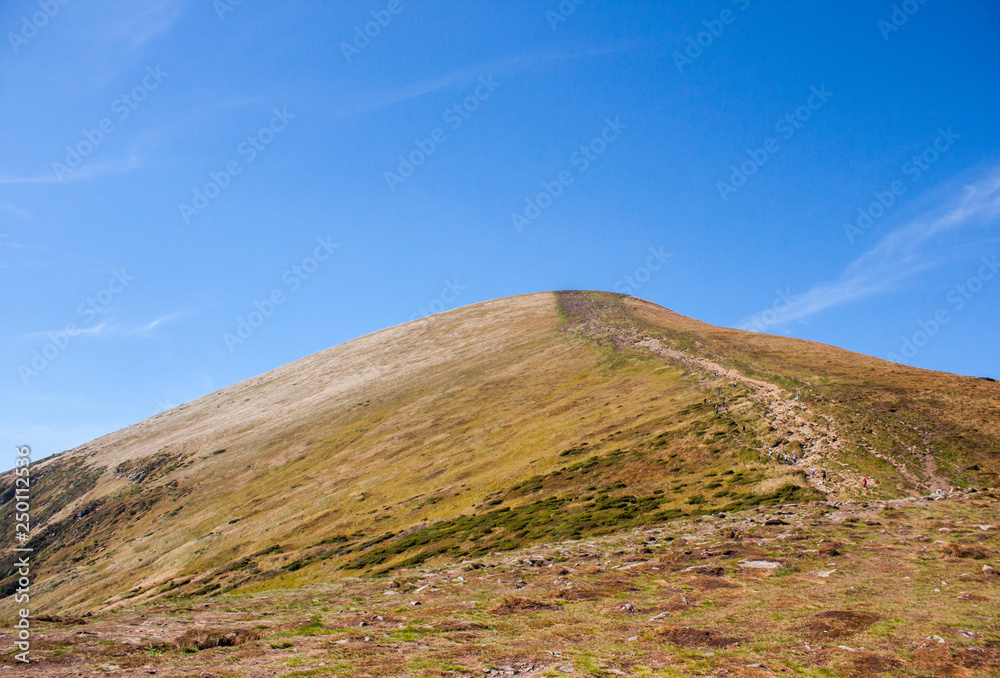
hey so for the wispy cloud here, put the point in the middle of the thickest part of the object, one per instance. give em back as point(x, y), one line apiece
point(20, 212)
point(901, 255)
point(114, 34)
point(464, 76)
point(89, 171)
point(147, 329)
point(150, 19)
point(107, 329)
point(95, 331)
point(374, 101)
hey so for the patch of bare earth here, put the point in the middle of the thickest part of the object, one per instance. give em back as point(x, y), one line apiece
point(836, 624)
point(516, 604)
point(687, 637)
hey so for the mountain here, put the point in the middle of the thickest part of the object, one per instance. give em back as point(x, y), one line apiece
point(531, 419)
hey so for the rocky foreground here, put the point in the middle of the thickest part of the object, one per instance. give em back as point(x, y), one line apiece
point(880, 588)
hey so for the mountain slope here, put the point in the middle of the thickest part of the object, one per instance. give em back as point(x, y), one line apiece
point(541, 417)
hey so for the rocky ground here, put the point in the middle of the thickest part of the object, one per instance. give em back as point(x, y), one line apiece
point(879, 588)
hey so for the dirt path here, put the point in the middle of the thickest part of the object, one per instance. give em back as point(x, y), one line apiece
point(789, 418)
point(784, 413)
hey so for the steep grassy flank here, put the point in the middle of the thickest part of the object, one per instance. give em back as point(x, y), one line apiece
point(498, 425)
point(933, 423)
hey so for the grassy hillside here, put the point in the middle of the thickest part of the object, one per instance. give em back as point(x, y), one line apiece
point(522, 420)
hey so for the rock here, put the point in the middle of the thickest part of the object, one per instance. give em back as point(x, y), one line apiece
point(760, 564)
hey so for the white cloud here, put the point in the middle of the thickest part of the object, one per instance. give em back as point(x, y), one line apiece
point(468, 75)
point(20, 212)
point(95, 331)
point(147, 329)
point(88, 171)
point(108, 330)
point(901, 255)
point(152, 18)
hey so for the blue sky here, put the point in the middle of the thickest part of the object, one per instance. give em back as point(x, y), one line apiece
point(193, 193)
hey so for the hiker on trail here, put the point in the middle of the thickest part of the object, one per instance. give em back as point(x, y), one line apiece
point(795, 458)
point(864, 482)
point(823, 473)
